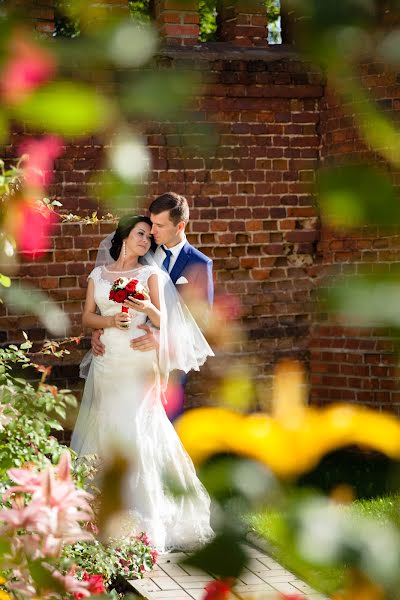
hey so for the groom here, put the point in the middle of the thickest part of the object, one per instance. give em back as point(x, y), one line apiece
point(190, 270)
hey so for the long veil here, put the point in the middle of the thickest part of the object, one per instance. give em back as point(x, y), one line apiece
point(182, 346)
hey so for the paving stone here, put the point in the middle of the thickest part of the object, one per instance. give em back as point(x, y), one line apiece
point(303, 587)
point(269, 562)
point(171, 557)
point(188, 578)
point(173, 570)
point(272, 579)
point(197, 594)
point(285, 587)
point(254, 587)
point(248, 577)
point(162, 595)
point(144, 585)
point(263, 576)
point(192, 570)
point(166, 583)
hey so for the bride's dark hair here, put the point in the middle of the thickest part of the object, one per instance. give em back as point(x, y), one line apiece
point(125, 226)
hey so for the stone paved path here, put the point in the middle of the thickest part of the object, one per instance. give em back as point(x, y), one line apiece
point(170, 581)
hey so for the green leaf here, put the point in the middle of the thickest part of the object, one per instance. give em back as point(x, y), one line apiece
point(371, 300)
point(55, 425)
point(223, 556)
point(60, 411)
point(356, 196)
point(66, 108)
point(5, 281)
point(160, 94)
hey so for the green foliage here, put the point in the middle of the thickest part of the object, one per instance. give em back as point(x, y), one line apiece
point(208, 20)
point(129, 558)
point(43, 109)
point(140, 10)
point(67, 25)
point(28, 415)
point(276, 528)
point(356, 196)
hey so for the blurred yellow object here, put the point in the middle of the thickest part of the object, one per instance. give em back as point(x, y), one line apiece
point(360, 588)
point(294, 438)
point(4, 595)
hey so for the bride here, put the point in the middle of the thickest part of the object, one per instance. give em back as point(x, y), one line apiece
point(123, 397)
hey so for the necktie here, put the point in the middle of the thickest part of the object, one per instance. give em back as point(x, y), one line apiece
point(167, 258)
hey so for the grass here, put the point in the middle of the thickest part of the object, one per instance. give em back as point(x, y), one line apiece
point(273, 527)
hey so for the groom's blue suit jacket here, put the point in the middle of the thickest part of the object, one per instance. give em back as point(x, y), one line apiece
point(196, 267)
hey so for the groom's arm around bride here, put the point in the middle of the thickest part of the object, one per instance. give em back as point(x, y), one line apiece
point(189, 269)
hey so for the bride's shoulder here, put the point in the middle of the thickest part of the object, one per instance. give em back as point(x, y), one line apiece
point(95, 273)
point(148, 270)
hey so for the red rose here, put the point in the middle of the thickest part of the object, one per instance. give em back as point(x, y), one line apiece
point(120, 296)
point(112, 295)
point(139, 296)
point(217, 590)
point(131, 286)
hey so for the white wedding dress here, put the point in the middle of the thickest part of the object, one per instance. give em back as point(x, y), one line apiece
point(122, 404)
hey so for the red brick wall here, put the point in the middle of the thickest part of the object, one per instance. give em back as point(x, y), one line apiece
point(251, 209)
point(355, 364)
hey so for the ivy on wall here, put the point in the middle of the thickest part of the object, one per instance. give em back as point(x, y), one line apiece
point(69, 27)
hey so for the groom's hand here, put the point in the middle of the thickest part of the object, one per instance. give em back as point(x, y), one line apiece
point(98, 348)
point(145, 342)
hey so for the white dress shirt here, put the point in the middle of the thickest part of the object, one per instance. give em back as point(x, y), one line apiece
point(160, 255)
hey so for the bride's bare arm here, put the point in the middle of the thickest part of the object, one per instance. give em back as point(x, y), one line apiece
point(95, 321)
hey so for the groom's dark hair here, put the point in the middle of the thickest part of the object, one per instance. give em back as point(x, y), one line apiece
point(176, 205)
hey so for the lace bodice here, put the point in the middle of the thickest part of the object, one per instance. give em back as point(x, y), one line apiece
point(103, 279)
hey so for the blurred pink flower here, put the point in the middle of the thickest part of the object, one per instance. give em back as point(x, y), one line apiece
point(173, 399)
point(31, 224)
point(55, 510)
point(20, 516)
point(40, 155)
point(28, 66)
point(80, 589)
point(227, 306)
point(143, 537)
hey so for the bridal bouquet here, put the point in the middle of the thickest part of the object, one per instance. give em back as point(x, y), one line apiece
point(123, 287)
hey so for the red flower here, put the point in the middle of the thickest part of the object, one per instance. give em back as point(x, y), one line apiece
point(28, 66)
point(154, 556)
point(139, 296)
point(120, 296)
point(96, 585)
point(40, 157)
point(131, 286)
point(217, 590)
point(112, 294)
point(31, 224)
point(143, 537)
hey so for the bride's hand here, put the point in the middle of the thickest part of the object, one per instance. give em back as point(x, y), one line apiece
point(121, 320)
point(139, 305)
